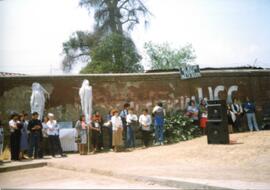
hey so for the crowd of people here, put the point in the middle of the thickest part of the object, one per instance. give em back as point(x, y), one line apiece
point(122, 126)
point(28, 138)
point(31, 139)
point(235, 113)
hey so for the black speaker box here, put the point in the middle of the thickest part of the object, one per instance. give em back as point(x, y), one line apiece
point(217, 124)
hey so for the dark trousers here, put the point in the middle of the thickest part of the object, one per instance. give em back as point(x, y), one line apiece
point(238, 124)
point(110, 136)
point(130, 137)
point(15, 144)
point(145, 137)
point(55, 145)
point(43, 147)
point(100, 141)
point(95, 138)
point(34, 144)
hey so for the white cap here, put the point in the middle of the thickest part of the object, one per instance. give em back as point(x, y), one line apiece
point(50, 115)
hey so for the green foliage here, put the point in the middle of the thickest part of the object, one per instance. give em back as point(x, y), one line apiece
point(164, 57)
point(179, 128)
point(114, 54)
point(111, 17)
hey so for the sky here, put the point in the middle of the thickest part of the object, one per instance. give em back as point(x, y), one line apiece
point(222, 32)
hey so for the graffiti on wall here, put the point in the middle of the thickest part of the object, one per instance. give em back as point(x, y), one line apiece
point(214, 94)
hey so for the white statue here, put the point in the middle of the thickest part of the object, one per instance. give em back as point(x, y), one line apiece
point(37, 101)
point(86, 100)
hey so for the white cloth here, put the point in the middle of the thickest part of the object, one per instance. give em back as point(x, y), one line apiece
point(145, 120)
point(44, 130)
point(37, 101)
point(116, 123)
point(67, 139)
point(237, 108)
point(85, 93)
point(131, 118)
point(53, 128)
point(12, 125)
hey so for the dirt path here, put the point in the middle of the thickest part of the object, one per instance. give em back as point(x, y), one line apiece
point(246, 161)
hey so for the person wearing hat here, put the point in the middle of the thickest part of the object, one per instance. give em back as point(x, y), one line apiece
point(35, 128)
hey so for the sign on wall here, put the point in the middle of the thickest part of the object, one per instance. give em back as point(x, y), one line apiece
point(190, 71)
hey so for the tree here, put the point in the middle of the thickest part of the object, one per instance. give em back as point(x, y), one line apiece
point(78, 48)
point(162, 56)
point(106, 54)
point(112, 17)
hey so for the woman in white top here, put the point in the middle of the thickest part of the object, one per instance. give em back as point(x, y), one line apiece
point(145, 121)
point(117, 127)
point(53, 136)
point(238, 112)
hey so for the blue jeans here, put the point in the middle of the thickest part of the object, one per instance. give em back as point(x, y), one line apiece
point(130, 137)
point(34, 144)
point(251, 118)
point(159, 133)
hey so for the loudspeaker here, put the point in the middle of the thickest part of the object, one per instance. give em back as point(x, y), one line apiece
point(217, 124)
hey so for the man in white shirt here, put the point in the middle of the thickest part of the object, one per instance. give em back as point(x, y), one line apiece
point(131, 126)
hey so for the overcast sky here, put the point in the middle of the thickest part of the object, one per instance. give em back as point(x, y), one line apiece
point(222, 32)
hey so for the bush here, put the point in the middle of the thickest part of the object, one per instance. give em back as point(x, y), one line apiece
point(178, 127)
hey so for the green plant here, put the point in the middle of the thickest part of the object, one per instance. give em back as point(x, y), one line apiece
point(178, 127)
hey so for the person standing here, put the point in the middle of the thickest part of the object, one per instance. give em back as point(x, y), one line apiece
point(1, 136)
point(108, 124)
point(15, 134)
point(96, 131)
point(231, 118)
point(203, 115)
point(131, 127)
point(24, 137)
point(159, 114)
point(81, 128)
point(250, 110)
point(53, 136)
point(35, 128)
point(123, 115)
point(193, 112)
point(238, 112)
point(117, 127)
point(145, 122)
point(45, 138)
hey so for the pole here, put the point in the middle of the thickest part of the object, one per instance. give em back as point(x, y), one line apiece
point(88, 147)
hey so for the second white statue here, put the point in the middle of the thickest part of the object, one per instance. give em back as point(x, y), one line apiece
point(86, 97)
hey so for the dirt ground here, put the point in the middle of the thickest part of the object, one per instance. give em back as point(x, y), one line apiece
point(53, 178)
point(247, 161)
point(242, 165)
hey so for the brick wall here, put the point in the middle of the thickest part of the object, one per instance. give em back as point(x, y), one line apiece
point(141, 90)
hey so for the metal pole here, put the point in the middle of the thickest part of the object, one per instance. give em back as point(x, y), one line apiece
point(88, 148)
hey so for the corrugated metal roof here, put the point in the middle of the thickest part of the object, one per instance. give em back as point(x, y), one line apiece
point(5, 74)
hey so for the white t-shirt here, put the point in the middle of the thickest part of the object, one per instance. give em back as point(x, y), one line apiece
point(12, 125)
point(116, 123)
point(52, 127)
point(131, 118)
point(145, 120)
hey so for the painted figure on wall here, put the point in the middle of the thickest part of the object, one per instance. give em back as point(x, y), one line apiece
point(37, 101)
point(85, 93)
